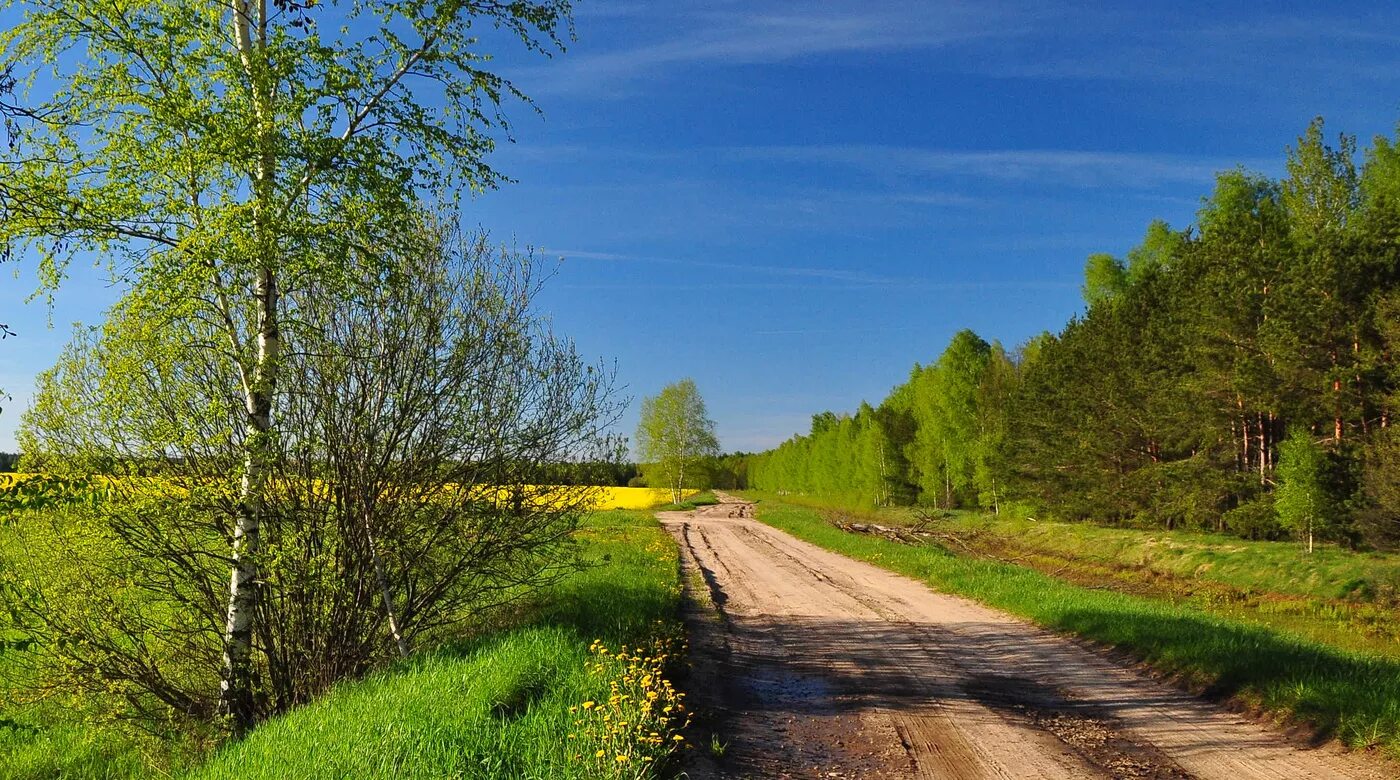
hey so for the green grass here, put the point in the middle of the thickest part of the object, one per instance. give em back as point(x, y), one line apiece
point(1350, 695)
point(1334, 596)
point(1277, 567)
point(1331, 572)
point(494, 707)
point(704, 498)
point(58, 749)
point(75, 736)
point(1337, 597)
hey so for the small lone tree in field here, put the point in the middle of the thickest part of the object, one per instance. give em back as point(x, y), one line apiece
point(675, 433)
point(1301, 498)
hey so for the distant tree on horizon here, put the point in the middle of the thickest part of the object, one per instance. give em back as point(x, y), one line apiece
point(675, 434)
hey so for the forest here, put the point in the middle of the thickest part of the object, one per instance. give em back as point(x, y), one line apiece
point(1237, 375)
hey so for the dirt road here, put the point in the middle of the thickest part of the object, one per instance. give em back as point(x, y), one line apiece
point(816, 665)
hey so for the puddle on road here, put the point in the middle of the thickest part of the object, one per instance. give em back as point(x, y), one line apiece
point(776, 687)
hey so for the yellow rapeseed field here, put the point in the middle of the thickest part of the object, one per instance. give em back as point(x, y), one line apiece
point(608, 497)
point(637, 498)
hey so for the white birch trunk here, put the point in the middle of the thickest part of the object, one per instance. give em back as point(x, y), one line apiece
point(237, 689)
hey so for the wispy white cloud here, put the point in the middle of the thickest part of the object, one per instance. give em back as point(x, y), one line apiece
point(828, 331)
point(1177, 44)
point(996, 38)
point(1378, 27)
point(738, 276)
point(829, 274)
point(610, 9)
point(1069, 167)
point(757, 33)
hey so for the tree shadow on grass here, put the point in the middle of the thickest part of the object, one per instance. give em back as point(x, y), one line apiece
point(617, 612)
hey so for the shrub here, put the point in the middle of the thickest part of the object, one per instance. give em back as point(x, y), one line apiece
point(1254, 519)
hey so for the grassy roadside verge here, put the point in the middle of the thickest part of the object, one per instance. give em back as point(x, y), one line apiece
point(695, 499)
point(1273, 584)
point(573, 686)
point(544, 700)
point(1338, 597)
point(1330, 573)
point(1352, 696)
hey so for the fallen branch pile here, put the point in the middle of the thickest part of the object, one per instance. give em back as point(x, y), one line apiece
point(917, 534)
point(901, 535)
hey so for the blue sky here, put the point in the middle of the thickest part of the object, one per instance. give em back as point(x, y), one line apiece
point(792, 202)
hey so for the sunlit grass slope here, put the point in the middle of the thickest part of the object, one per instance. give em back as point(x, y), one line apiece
point(524, 703)
point(59, 749)
point(1353, 696)
point(573, 684)
point(1335, 596)
point(1277, 567)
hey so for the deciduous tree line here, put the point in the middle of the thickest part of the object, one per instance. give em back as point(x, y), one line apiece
point(1238, 375)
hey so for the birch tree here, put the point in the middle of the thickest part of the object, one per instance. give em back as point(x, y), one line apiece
point(675, 434)
point(222, 154)
point(408, 493)
point(1301, 497)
